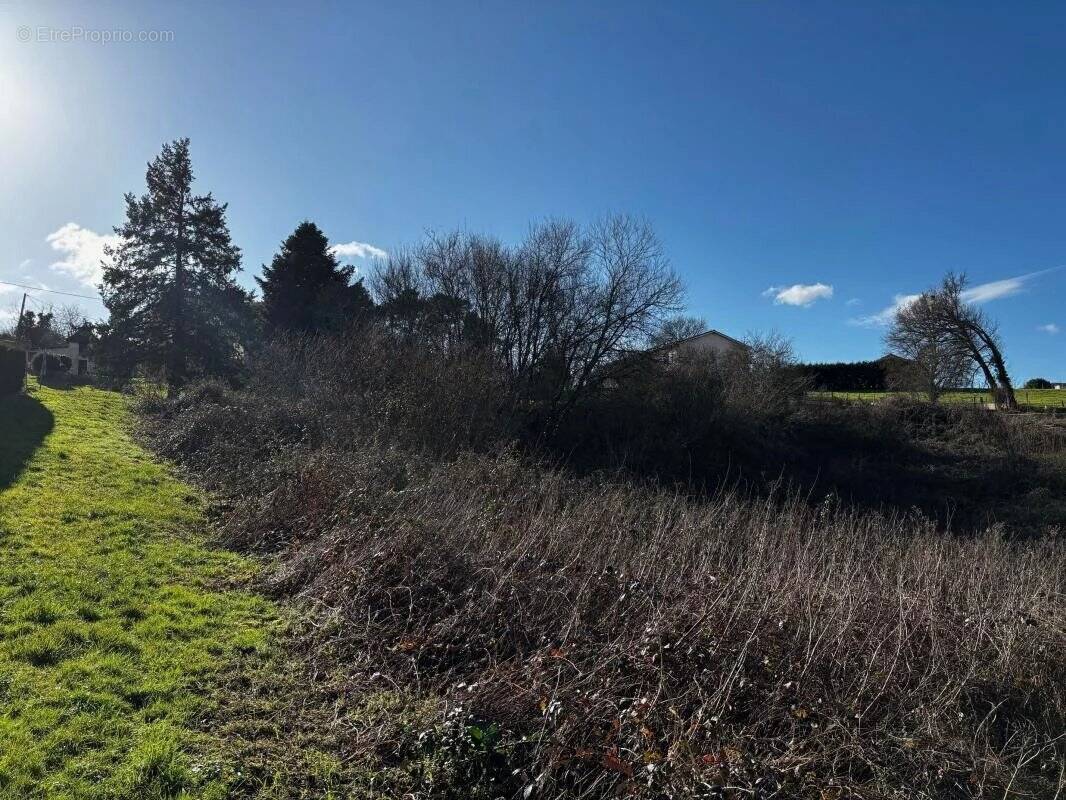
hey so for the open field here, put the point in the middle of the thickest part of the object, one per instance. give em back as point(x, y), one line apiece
point(111, 608)
point(1036, 398)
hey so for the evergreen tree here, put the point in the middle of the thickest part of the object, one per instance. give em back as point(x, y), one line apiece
point(170, 288)
point(38, 330)
point(306, 290)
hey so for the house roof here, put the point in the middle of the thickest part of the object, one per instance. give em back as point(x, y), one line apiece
point(700, 336)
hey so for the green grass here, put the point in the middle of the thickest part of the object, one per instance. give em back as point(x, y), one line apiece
point(112, 608)
point(1035, 398)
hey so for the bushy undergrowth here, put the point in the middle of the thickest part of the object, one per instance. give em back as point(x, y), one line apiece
point(702, 429)
point(596, 636)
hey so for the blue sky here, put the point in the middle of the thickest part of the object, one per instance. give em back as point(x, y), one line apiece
point(843, 154)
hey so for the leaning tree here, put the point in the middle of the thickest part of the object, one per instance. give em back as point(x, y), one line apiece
point(943, 333)
point(932, 359)
point(169, 287)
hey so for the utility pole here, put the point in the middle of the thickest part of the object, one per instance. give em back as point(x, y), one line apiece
point(18, 325)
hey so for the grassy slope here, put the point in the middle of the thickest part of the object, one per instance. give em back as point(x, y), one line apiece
point(107, 616)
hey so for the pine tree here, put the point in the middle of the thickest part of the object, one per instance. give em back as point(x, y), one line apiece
point(306, 290)
point(170, 285)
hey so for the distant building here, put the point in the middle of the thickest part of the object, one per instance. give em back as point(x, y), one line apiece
point(80, 364)
point(710, 342)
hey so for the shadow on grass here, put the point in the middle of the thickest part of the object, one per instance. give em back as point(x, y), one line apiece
point(61, 382)
point(24, 422)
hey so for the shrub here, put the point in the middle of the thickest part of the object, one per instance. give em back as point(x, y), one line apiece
point(1037, 383)
point(48, 363)
point(12, 371)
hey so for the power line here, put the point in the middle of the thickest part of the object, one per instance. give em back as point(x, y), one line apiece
point(53, 291)
point(35, 300)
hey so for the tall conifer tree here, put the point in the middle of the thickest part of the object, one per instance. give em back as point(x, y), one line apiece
point(306, 289)
point(170, 285)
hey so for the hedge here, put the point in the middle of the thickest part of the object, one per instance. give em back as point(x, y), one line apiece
point(856, 376)
point(12, 371)
point(54, 364)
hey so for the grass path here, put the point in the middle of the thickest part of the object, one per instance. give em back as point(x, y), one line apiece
point(111, 608)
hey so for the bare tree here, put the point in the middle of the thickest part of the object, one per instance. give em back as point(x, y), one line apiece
point(555, 310)
point(677, 328)
point(763, 376)
point(942, 326)
point(627, 288)
point(69, 320)
point(975, 331)
point(398, 287)
point(931, 357)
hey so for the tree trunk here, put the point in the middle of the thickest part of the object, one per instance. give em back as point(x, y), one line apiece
point(177, 362)
point(990, 379)
point(1004, 378)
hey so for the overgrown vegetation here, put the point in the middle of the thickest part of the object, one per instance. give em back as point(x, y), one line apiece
point(496, 625)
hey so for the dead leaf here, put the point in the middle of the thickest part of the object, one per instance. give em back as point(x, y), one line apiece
point(613, 762)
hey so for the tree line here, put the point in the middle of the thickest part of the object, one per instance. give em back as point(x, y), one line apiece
point(849, 376)
point(549, 312)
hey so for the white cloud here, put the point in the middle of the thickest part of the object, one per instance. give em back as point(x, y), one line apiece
point(82, 250)
point(1051, 328)
point(886, 315)
point(25, 264)
point(346, 251)
point(854, 301)
point(994, 290)
point(799, 294)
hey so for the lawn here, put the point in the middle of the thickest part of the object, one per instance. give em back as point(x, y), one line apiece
point(1036, 398)
point(113, 609)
